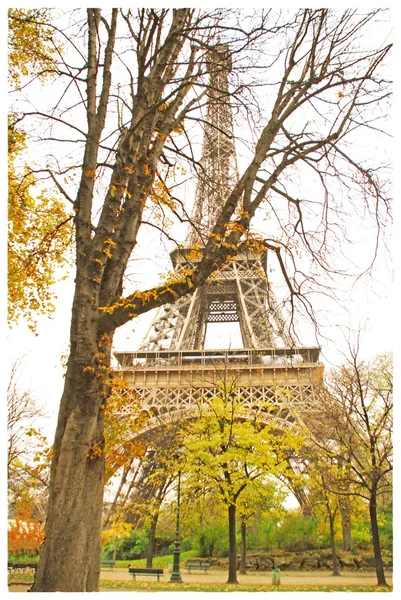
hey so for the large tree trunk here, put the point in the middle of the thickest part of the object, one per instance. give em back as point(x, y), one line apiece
point(381, 580)
point(242, 567)
point(232, 546)
point(70, 555)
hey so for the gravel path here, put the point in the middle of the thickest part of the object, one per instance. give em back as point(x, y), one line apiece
point(287, 578)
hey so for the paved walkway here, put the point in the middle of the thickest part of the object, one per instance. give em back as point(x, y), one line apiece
point(286, 577)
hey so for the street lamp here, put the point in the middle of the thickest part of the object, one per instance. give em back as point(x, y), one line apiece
point(175, 574)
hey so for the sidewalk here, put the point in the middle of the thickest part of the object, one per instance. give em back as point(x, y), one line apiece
point(286, 577)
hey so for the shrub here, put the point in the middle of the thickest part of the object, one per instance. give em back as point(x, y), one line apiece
point(212, 541)
point(262, 533)
point(298, 533)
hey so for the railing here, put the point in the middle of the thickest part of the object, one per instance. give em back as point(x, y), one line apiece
point(262, 357)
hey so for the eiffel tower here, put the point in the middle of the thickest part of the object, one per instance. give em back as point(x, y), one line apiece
point(172, 370)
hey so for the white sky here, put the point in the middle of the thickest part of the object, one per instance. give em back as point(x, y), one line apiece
point(42, 374)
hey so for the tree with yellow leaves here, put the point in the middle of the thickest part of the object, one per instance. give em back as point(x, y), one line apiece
point(39, 231)
point(231, 452)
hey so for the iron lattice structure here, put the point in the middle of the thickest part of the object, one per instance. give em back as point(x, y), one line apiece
point(173, 371)
point(218, 165)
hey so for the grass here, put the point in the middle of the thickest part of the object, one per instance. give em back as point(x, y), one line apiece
point(20, 577)
point(158, 561)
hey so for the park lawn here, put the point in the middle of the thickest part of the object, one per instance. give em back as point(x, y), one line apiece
point(20, 577)
point(158, 561)
point(224, 587)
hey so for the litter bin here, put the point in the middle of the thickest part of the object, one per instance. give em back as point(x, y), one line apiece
point(276, 577)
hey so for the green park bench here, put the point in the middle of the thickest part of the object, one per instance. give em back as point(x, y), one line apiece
point(108, 563)
point(197, 565)
point(134, 571)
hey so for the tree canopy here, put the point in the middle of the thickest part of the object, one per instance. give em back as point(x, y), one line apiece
point(40, 232)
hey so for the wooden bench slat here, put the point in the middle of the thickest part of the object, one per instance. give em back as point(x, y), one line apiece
point(197, 566)
point(144, 571)
point(17, 565)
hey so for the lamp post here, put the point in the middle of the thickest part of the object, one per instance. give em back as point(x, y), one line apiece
point(175, 574)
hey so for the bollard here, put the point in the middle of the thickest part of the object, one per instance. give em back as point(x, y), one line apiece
point(276, 577)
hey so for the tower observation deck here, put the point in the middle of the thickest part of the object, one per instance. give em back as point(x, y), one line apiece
point(172, 370)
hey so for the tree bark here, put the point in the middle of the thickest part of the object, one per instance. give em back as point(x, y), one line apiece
point(151, 543)
point(381, 579)
point(336, 569)
point(242, 568)
point(70, 554)
point(232, 546)
point(345, 509)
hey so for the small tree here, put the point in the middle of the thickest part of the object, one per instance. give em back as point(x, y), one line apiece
point(266, 494)
point(139, 497)
point(25, 532)
point(228, 450)
point(117, 531)
point(322, 481)
point(28, 452)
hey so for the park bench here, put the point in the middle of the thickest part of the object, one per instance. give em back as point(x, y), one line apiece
point(197, 565)
point(108, 563)
point(22, 565)
point(134, 571)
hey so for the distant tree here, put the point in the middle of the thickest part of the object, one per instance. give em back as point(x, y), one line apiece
point(28, 464)
point(322, 480)
point(353, 428)
point(345, 507)
point(117, 531)
point(269, 495)
point(204, 521)
point(28, 454)
point(25, 531)
point(22, 412)
point(147, 471)
point(156, 480)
